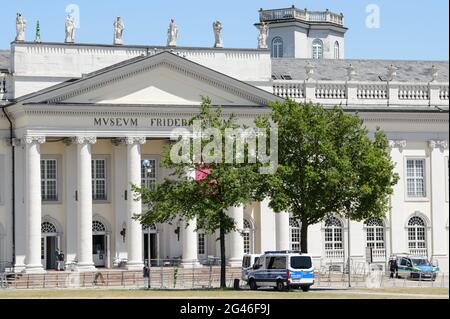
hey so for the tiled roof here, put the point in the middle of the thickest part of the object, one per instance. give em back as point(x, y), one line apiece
point(366, 70)
point(4, 59)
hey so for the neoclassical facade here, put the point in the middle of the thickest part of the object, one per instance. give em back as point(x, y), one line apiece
point(81, 122)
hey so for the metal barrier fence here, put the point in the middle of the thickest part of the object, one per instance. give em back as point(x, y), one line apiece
point(174, 274)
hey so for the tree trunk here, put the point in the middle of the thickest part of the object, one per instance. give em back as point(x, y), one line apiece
point(223, 282)
point(304, 236)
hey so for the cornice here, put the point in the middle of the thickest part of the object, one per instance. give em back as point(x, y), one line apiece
point(78, 113)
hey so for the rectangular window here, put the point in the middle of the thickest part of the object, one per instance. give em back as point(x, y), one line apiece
point(99, 179)
point(276, 263)
point(301, 262)
point(148, 173)
point(246, 237)
point(375, 237)
point(49, 180)
point(201, 244)
point(415, 177)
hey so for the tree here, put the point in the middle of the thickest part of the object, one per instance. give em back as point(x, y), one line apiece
point(328, 165)
point(223, 184)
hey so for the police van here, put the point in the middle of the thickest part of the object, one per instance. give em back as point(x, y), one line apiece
point(415, 267)
point(281, 270)
point(247, 264)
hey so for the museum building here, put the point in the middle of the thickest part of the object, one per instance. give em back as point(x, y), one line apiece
point(81, 122)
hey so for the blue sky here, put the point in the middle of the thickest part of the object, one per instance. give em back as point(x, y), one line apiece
point(409, 29)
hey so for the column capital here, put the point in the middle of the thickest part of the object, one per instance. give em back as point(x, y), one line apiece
point(440, 144)
point(130, 140)
point(30, 139)
point(400, 144)
point(81, 140)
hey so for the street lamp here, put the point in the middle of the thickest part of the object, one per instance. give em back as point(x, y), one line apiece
point(148, 166)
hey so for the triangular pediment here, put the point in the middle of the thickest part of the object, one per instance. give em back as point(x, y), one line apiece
point(162, 79)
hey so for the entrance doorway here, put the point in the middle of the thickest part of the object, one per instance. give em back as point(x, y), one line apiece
point(151, 244)
point(49, 255)
point(49, 244)
point(99, 244)
point(99, 250)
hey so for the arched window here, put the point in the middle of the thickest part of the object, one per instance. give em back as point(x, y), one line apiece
point(417, 243)
point(317, 49)
point(98, 227)
point(294, 230)
point(247, 234)
point(48, 228)
point(375, 233)
point(336, 50)
point(333, 235)
point(277, 47)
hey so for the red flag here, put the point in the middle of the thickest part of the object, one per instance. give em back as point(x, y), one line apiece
point(202, 172)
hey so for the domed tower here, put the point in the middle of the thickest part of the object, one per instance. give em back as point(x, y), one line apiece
point(299, 33)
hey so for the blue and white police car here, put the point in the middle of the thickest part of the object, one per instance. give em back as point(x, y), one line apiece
point(247, 264)
point(281, 270)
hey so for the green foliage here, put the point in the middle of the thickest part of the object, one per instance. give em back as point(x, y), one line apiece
point(207, 200)
point(228, 184)
point(328, 164)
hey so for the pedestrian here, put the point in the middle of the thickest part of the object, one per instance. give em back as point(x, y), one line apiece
point(61, 261)
point(57, 258)
point(393, 268)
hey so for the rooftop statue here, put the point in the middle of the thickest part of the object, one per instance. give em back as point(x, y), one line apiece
point(172, 34)
point(21, 23)
point(118, 31)
point(263, 34)
point(217, 27)
point(70, 29)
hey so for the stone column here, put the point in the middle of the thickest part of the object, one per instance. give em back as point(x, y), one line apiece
point(189, 238)
point(33, 204)
point(134, 207)
point(282, 231)
point(70, 179)
point(120, 204)
point(235, 239)
point(84, 205)
point(437, 196)
point(267, 231)
point(397, 214)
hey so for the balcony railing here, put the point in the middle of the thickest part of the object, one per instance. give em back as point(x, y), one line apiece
point(335, 254)
point(418, 252)
point(379, 255)
point(3, 85)
point(303, 15)
point(360, 93)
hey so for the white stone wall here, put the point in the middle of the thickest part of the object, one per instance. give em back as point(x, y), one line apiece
point(37, 66)
point(287, 34)
point(433, 208)
point(328, 37)
point(298, 39)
